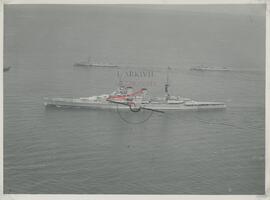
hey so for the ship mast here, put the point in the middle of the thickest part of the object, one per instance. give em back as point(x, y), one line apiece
point(167, 85)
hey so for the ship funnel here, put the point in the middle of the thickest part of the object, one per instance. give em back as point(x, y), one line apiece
point(144, 91)
point(129, 90)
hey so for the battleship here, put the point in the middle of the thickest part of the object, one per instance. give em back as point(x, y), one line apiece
point(88, 63)
point(124, 98)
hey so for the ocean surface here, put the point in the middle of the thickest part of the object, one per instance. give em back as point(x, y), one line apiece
point(76, 151)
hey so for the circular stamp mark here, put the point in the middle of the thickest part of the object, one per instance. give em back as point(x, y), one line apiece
point(134, 115)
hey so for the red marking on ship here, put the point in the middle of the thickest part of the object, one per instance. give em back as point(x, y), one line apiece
point(123, 97)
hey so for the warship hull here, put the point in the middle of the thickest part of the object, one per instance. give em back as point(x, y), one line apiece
point(78, 103)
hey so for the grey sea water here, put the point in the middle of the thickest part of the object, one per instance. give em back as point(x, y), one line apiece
point(96, 152)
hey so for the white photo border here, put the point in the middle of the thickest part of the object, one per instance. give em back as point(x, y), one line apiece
point(266, 196)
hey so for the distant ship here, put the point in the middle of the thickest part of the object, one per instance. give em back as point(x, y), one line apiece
point(7, 68)
point(126, 98)
point(88, 63)
point(203, 68)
